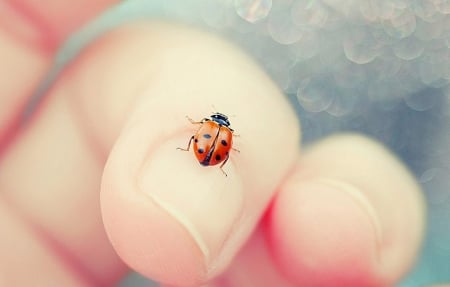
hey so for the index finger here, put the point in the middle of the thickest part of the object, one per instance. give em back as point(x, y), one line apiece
point(167, 216)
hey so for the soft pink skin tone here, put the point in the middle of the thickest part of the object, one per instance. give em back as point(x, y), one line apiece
point(100, 154)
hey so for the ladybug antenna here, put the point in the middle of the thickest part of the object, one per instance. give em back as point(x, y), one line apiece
point(214, 110)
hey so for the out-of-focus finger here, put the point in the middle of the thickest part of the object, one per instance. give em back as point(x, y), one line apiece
point(30, 32)
point(350, 215)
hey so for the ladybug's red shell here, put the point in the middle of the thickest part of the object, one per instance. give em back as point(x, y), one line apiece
point(213, 140)
point(212, 143)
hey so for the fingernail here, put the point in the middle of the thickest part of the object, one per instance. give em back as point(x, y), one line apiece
point(201, 199)
point(336, 235)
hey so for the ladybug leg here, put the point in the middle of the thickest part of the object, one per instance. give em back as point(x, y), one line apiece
point(235, 135)
point(195, 122)
point(188, 146)
point(235, 149)
point(223, 163)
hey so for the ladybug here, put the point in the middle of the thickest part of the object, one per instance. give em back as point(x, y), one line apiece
point(212, 141)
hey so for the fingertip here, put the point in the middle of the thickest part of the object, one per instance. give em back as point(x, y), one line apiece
point(198, 205)
point(345, 215)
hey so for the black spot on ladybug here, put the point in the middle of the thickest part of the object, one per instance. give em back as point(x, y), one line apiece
point(224, 142)
point(200, 150)
point(196, 140)
point(226, 153)
point(207, 136)
point(218, 157)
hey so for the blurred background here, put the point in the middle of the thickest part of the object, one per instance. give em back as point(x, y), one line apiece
point(378, 67)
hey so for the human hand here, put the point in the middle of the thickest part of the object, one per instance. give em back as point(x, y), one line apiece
point(343, 212)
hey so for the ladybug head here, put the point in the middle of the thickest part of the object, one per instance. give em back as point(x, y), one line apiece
point(221, 119)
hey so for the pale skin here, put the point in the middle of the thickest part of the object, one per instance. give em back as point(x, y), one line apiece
point(94, 182)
